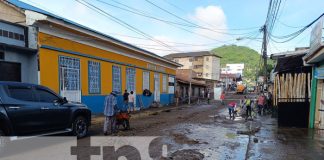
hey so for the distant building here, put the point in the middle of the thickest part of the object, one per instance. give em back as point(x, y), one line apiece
point(204, 63)
point(183, 79)
point(228, 78)
point(233, 69)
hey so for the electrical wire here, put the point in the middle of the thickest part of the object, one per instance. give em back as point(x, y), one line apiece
point(178, 17)
point(122, 23)
point(293, 35)
point(180, 9)
point(171, 23)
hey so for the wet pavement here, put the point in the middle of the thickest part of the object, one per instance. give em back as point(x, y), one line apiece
point(286, 143)
point(206, 132)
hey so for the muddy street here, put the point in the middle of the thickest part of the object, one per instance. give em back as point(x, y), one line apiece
point(204, 131)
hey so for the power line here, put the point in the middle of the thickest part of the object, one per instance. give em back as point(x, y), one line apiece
point(180, 9)
point(178, 17)
point(289, 26)
point(171, 23)
point(295, 34)
point(122, 23)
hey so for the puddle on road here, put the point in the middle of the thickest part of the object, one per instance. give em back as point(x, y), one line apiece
point(212, 140)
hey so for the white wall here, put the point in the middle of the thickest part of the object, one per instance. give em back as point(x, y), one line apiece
point(185, 62)
point(211, 67)
point(234, 69)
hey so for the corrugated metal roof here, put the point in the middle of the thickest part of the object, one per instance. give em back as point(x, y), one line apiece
point(191, 54)
point(288, 53)
point(26, 6)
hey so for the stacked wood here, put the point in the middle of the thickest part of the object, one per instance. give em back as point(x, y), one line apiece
point(291, 87)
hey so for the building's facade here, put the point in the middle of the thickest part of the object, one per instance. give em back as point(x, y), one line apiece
point(85, 65)
point(183, 79)
point(315, 58)
point(233, 69)
point(291, 88)
point(18, 47)
point(205, 64)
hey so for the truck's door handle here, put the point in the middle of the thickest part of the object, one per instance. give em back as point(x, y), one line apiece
point(14, 107)
point(44, 108)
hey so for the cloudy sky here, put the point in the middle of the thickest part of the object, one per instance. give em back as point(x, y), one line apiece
point(169, 26)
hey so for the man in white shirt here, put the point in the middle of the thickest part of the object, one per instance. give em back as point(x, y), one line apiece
point(131, 100)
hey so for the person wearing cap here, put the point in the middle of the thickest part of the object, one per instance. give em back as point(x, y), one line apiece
point(110, 108)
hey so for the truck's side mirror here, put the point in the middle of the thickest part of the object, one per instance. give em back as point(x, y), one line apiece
point(65, 100)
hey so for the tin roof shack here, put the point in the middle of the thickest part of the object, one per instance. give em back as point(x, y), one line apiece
point(315, 58)
point(183, 80)
point(291, 88)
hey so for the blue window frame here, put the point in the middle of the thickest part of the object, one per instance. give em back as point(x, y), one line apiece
point(130, 79)
point(94, 77)
point(116, 77)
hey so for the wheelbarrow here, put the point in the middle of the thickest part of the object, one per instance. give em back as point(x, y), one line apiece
point(122, 119)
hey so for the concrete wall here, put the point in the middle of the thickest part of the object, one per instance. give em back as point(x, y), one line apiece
point(185, 62)
point(11, 14)
point(28, 62)
point(211, 67)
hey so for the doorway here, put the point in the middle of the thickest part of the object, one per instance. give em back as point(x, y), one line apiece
point(10, 71)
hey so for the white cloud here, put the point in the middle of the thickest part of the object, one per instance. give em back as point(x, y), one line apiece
point(212, 17)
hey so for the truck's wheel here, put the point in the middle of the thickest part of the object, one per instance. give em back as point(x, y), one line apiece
point(80, 127)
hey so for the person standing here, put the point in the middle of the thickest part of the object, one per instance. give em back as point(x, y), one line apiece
point(231, 107)
point(125, 97)
point(261, 101)
point(203, 93)
point(131, 100)
point(208, 97)
point(110, 108)
point(247, 103)
point(176, 96)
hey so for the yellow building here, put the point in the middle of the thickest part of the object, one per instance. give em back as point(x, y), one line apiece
point(85, 65)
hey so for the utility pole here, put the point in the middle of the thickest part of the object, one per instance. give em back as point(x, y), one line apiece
point(264, 53)
point(190, 77)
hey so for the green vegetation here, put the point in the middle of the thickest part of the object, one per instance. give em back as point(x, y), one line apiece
point(241, 54)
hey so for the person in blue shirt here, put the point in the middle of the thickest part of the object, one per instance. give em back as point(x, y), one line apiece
point(110, 109)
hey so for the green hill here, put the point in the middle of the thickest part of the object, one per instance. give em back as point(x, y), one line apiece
point(240, 54)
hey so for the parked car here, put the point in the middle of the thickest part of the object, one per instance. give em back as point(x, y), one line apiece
point(34, 110)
